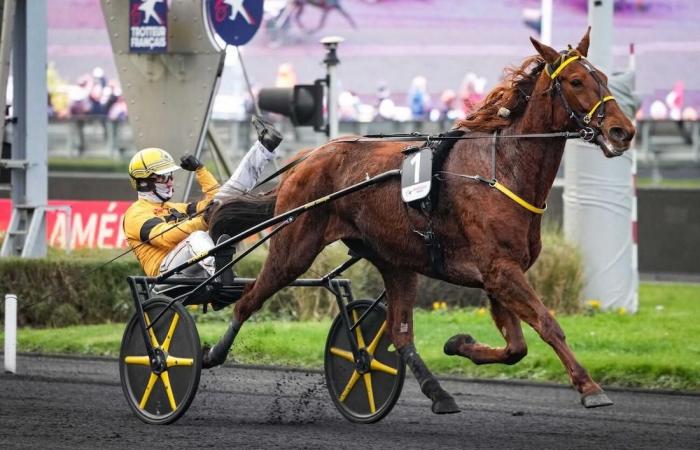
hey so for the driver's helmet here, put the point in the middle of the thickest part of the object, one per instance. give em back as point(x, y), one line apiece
point(147, 164)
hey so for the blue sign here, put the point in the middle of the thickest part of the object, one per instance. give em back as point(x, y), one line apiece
point(236, 21)
point(148, 26)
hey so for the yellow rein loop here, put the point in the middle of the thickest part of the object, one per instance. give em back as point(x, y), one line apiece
point(513, 196)
point(566, 62)
point(587, 117)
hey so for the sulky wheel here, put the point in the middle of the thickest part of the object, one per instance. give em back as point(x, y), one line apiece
point(364, 391)
point(161, 393)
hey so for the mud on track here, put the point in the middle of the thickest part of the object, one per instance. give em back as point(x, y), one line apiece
point(78, 403)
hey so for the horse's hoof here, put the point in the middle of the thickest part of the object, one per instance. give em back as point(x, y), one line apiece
point(206, 362)
point(452, 345)
point(595, 400)
point(445, 405)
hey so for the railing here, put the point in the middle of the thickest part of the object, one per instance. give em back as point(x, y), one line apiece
point(657, 141)
point(672, 140)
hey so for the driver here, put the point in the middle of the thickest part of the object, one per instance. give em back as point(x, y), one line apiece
point(160, 232)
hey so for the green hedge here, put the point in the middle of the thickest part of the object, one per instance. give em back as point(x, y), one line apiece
point(67, 289)
point(58, 292)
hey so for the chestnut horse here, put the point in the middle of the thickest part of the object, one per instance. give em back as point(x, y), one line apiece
point(489, 241)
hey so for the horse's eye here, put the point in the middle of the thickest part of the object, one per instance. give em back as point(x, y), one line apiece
point(576, 82)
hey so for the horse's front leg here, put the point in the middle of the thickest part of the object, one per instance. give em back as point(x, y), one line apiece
point(401, 294)
point(291, 253)
point(506, 281)
point(509, 326)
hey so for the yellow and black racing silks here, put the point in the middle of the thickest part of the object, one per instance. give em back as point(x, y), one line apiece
point(145, 219)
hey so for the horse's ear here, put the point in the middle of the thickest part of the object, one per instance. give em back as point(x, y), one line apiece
point(582, 46)
point(548, 53)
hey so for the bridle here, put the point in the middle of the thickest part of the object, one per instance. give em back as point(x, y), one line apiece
point(583, 121)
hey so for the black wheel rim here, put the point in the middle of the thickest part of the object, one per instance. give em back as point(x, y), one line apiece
point(348, 387)
point(161, 398)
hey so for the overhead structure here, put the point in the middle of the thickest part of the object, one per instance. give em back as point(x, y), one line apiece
point(24, 25)
point(598, 194)
point(170, 84)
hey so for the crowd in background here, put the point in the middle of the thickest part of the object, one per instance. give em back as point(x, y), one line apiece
point(94, 95)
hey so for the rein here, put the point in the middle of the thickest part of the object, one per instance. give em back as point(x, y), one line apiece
point(433, 137)
point(493, 181)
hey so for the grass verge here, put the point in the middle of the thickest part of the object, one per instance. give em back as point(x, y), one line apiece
point(656, 348)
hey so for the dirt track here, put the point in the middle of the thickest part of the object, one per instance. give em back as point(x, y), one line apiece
point(78, 403)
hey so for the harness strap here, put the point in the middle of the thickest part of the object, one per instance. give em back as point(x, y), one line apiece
point(493, 154)
point(513, 196)
point(565, 63)
point(587, 117)
point(495, 184)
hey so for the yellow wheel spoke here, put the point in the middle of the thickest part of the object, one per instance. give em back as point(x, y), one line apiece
point(373, 345)
point(370, 392)
point(171, 331)
point(147, 393)
point(168, 389)
point(343, 354)
point(381, 367)
point(351, 384)
point(137, 360)
point(154, 341)
point(358, 332)
point(175, 361)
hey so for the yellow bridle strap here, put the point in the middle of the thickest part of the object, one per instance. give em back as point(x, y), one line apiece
point(517, 199)
point(587, 117)
point(566, 62)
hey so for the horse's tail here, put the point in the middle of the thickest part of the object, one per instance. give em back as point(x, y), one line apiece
point(241, 212)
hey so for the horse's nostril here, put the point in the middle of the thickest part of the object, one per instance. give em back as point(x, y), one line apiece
point(618, 134)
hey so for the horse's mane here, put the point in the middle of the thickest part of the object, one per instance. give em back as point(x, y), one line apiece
point(512, 93)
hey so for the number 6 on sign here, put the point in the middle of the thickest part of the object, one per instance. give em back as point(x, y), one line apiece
point(416, 175)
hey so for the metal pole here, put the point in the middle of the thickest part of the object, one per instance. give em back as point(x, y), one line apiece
point(6, 38)
point(546, 34)
point(598, 195)
point(30, 186)
point(331, 60)
point(11, 333)
point(247, 83)
point(205, 126)
point(332, 104)
point(600, 18)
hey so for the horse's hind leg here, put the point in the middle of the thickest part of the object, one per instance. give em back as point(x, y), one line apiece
point(291, 254)
point(506, 281)
point(401, 295)
point(509, 326)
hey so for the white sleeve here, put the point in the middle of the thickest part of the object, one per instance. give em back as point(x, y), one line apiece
point(247, 172)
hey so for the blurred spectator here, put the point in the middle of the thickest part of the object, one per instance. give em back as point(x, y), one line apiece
point(116, 105)
point(348, 106)
point(59, 103)
point(286, 76)
point(97, 92)
point(418, 98)
point(78, 96)
point(658, 110)
point(471, 91)
point(674, 100)
point(689, 113)
point(385, 105)
point(448, 109)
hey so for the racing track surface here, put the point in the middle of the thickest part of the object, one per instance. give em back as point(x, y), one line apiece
point(78, 403)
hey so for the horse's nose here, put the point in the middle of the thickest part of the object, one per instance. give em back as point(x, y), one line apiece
point(619, 134)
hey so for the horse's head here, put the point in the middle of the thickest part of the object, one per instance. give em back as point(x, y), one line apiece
point(584, 102)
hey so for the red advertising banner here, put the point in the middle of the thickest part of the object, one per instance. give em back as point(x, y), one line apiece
point(93, 224)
